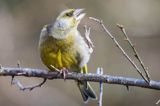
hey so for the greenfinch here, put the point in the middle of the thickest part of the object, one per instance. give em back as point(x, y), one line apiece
point(62, 46)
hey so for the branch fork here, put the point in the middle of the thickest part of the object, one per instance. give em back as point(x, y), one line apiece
point(147, 77)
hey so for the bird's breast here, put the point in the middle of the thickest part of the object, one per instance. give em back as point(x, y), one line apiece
point(59, 53)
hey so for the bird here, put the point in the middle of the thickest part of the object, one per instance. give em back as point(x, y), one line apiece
point(62, 47)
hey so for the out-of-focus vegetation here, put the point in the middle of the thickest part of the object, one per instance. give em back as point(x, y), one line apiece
point(20, 25)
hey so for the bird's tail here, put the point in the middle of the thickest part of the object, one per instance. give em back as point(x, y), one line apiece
point(85, 88)
point(86, 91)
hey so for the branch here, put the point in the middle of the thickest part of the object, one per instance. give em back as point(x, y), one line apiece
point(119, 47)
point(145, 69)
point(39, 73)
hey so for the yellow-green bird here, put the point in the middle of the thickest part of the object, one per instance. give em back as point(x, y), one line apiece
point(62, 46)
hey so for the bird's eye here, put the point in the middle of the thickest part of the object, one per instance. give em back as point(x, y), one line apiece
point(70, 14)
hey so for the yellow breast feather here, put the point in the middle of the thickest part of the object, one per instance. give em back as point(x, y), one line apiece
point(59, 53)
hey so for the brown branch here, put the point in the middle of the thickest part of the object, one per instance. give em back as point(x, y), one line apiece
point(134, 50)
point(39, 73)
point(119, 46)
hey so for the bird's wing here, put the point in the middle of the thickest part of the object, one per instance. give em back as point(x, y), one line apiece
point(83, 51)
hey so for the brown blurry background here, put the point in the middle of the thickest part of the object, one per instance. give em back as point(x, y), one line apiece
point(20, 25)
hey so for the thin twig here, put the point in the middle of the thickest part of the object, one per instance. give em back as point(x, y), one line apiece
point(118, 45)
point(100, 72)
point(134, 50)
point(23, 88)
point(12, 79)
point(18, 64)
point(39, 73)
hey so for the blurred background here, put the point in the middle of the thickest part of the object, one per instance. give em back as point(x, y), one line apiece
point(22, 20)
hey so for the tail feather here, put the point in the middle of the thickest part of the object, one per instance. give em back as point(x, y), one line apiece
point(86, 91)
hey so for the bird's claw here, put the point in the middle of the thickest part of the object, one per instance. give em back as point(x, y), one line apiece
point(63, 72)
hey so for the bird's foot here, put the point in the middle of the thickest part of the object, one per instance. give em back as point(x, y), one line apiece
point(63, 72)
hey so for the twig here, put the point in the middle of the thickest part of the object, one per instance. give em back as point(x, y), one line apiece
point(12, 79)
point(18, 64)
point(39, 73)
point(23, 88)
point(100, 72)
point(118, 45)
point(134, 50)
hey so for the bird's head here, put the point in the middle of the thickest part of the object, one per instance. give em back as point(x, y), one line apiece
point(68, 20)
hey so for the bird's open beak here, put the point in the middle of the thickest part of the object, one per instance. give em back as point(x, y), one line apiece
point(78, 14)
